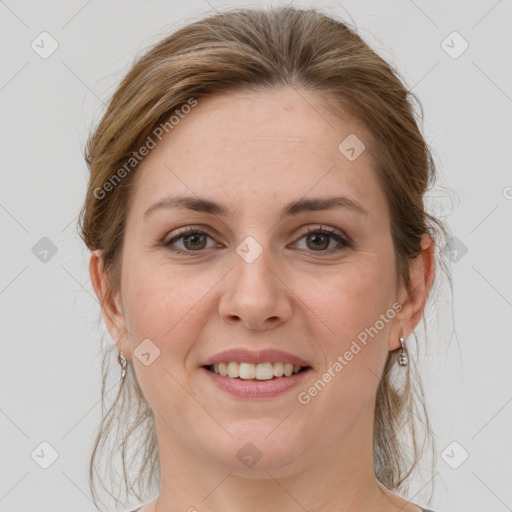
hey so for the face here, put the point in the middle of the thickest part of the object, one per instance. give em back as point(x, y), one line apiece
point(318, 284)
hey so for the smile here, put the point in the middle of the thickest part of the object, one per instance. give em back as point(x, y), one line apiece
point(261, 371)
point(238, 381)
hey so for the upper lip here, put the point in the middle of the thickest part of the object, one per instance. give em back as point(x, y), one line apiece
point(255, 357)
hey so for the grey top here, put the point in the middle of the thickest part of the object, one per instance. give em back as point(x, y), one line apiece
point(137, 509)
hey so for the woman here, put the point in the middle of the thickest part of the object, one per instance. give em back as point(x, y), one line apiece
point(262, 254)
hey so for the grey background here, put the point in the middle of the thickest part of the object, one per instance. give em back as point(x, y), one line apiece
point(50, 364)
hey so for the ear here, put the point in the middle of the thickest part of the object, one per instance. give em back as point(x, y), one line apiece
point(414, 298)
point(110, 308)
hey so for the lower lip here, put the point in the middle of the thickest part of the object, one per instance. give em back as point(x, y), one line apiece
point(257, 388)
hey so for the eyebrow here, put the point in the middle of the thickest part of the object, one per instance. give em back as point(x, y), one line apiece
point(198, 204)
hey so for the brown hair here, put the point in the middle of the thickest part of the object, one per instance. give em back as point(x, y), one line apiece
point(303, 49)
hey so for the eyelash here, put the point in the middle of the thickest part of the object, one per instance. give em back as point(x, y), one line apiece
point(311, 229)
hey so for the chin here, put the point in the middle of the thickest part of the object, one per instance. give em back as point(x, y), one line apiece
point(258, 446)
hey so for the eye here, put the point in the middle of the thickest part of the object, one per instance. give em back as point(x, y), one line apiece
point(193, 240)
point(319, 238)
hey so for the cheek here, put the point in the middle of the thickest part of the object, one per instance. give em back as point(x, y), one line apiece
point(357, 298)
point(360, 313)
point(164, 305)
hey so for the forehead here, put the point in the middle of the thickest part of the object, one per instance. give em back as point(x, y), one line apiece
point(257, 146)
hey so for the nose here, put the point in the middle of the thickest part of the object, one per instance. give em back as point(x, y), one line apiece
point(255, 295)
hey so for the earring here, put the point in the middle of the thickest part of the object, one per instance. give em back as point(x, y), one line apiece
point(122, 362)
point(402, 360)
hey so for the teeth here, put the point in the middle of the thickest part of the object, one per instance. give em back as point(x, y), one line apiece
point(233, 369)
point(247, 371)
point(264, 371)
point(278, 369)
point(261, 371)
point(223, 369)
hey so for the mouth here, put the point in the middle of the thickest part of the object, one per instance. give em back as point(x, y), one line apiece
point(256, 372)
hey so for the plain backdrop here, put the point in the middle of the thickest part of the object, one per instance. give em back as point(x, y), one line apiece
point(50, 364)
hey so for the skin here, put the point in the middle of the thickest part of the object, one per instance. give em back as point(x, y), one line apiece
point(254, 152)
